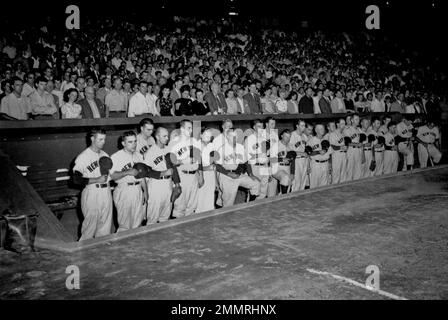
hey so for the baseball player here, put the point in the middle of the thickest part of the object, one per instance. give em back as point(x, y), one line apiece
point(233, 171)
point(159, 189)
point(206, 198)
point(282, 167)
point(428, 137)
point(96, 197)
point(384, 128)
point(257, 156)
point(331, 127)
point(144, 137)
point(189, 166)
point(339, 156)
point(219, 140)
point(378, 148)
point(297, 143)
point(131, 194)
point(390, 153)
point(319, 175)
point(355, 150)
point(405, 146)
point(367, 149)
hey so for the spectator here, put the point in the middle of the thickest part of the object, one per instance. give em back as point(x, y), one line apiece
point(164, 104)
point(348, 101)
point(243, 105)
point(293, 104)
point(183, 106)
point(253, 99)
point(103, 91)
point(199, 106)
point(325, 102)
point(92, 108)
point(216, 101)
point(267, 105)
point(116, 101)
point(337, 104)
point(42, 102)
point(28, 87)
point(14, 106)
point(316, 100)
point(306, 104)
point(71, 109)
point(378, 104)
point(80, 86)
point(232, 103)
point(398, 105)
point(140, 104)
point(281, 105)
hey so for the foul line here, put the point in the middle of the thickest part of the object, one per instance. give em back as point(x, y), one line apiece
point(357, 284)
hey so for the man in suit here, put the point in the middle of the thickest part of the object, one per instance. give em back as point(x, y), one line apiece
point(175, 93)
point(306, 104)
point(324, 102)
point(253, 99)
point(398, 105)
point(95, 73)
point(91, 107)
point(243, 105)
point(215, 100)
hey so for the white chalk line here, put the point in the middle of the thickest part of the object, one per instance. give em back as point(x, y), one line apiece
point(357, 284)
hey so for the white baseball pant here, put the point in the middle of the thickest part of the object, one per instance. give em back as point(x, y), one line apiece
point(187, 202)
point(434, 153)
point(159, 204)
point(96, 206)
point(129, 203)
point(229, 187)
point(206, 197)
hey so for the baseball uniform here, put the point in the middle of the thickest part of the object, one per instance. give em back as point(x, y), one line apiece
point(297, 144)
point(258, 160)
point(206, 198)
point(143, 145)
point(96, 199)
point(354, 154)
point(406, 148)
point(339, 157)
point(159, 190)
point(390, 154)
point(368, 156)
point(379, 153)
point(181, 148)
point(281, 169)
point(428, 136)
point(230, 158)
point(319, 175)
point(128, 195)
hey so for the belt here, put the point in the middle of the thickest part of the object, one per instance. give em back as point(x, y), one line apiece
point(388, 148)
point(261, 164)
point(101, 185)
point(189, 172)
point(343, 151)
point(116, 111)
point(367, 149)
point(379, 150)
point(355, 147)
point(283, 164)
point(164, 178)
point(136, 183)
point(321, 161)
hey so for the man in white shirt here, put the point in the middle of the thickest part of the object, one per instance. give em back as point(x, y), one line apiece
point(378, 104)
point(42, 102)
point(141, 103)
point(14, 106)
point(28, 87)
point(116, 101)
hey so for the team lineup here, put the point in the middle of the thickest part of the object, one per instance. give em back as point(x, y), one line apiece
point(157, 176)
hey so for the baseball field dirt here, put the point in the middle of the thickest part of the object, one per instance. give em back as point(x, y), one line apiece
point(293, 248)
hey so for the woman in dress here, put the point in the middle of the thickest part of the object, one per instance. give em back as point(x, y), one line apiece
point(70, 109)
point(164, 104)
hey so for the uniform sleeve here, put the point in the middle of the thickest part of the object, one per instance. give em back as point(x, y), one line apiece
point(115, 164)
point(79, 165)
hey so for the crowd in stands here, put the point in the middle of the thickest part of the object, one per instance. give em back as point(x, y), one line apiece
point(196, 67)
